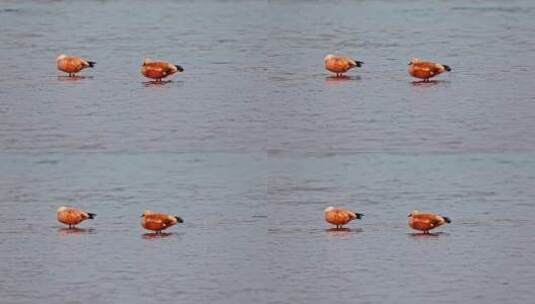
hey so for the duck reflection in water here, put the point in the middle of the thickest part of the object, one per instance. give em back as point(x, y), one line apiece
point(429, 83)
point(155, 83)
point(74, 231)
point(73, 78)
point(341, 232)
point(156, 235)
point(431, 235)
point(333, 80)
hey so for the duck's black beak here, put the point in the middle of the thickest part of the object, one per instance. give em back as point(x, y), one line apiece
point(179, 219)
point(179, 68)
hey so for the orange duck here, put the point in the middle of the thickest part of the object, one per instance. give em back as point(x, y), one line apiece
point(159, 69)
point(158, 221)
point(426, 221)
point(340, 216)
point(340, 64)
point(73, 216)
point(72, 64)
point(424, 69)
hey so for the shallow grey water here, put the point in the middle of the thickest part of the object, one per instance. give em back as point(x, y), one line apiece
point(254, 140)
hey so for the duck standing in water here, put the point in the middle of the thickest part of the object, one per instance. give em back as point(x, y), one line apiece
point(340, 64)
point(159, 69)
point(158, 221)
point(425, 69)
point(72, 64)
point(73, 216)
point(340, 216)
point(426, 221)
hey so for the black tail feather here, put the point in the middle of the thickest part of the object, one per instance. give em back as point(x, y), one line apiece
point(446, 67)
point(359, 215)
point(447, 219)
point(91, 215)
point(359, 63)
point(179, 68)
point(91, 63)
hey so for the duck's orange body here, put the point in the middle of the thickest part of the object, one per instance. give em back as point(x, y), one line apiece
point(72, 64)
point(73, 216)
point(340, 64)
point(426, 69)
point(159, 69)
point(426, 221)
point(340, 216)
point(158, 221)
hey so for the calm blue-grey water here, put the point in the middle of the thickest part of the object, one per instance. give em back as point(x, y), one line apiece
point(254, 140)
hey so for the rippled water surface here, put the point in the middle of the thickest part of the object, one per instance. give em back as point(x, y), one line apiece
point(255, 139)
